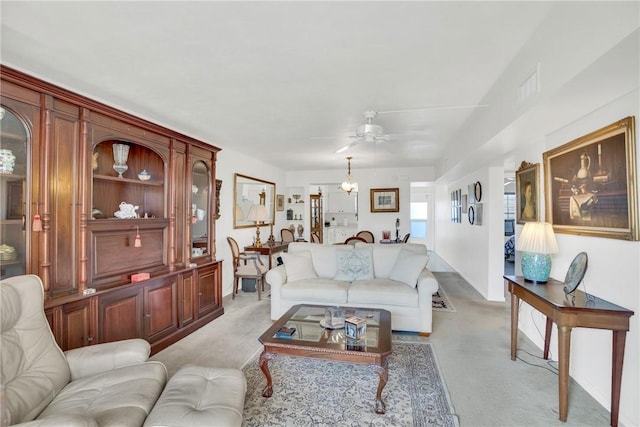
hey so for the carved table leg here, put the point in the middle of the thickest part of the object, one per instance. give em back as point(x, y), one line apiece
point(383, 373)
point(264, 360)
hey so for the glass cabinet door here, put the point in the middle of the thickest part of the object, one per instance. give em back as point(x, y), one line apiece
point(13, 190)
point(200, 203)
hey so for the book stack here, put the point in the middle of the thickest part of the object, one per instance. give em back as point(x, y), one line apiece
point(286, 332)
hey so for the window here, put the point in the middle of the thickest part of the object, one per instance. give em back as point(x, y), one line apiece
point(509, 205)
point(418, 216)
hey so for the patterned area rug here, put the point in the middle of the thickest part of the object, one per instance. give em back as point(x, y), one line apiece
point(310, 392)
point(440, 301)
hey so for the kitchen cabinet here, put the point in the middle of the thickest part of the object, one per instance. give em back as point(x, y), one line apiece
point(341, 202)
point(338, 234)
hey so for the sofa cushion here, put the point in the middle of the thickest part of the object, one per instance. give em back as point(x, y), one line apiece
point(408, 267)
point(354, 265)
point(382, 291)
point(299, 266)
point(323, 256)
point(201, 396)
point(385, 255)
point(121, 397)
point(319, 290)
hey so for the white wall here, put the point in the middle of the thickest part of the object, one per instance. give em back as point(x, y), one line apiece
point(230, 162)
point(475, 251)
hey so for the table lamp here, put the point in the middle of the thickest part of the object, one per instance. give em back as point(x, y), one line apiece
point(258, 213)
point(536, 242)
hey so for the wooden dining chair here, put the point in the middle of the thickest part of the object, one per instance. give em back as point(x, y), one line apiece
point(353, 240)
point(315, 238)
point(246, 265)
point(366, 235)
point(405, 239)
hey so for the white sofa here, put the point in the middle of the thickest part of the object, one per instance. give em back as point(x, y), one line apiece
point(393, 277)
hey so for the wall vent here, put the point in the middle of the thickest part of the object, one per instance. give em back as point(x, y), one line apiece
point(530, 86)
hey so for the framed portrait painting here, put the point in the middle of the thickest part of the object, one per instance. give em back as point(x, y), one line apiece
point(280, 202)
point(527, 179)
point(590, 183)
point(384, 200)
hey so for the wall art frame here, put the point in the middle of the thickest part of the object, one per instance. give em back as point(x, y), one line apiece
point(590, 183)
point(385, 199)
point(280, 202)
point(527, 193)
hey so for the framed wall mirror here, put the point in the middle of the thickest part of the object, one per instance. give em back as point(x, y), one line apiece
point(249, 191)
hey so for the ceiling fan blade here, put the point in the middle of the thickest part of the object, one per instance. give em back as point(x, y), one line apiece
point(347, 147)
point(438, 107)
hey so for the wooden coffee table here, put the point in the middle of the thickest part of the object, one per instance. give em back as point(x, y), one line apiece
point(312, 340)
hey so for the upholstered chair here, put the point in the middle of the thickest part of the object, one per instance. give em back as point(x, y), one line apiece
point(102, 384)
point(315, 238)
point(366, 235)
point(287, 235)
point(246, 265)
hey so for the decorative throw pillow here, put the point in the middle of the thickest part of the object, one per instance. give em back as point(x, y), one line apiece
point(408, 267)
point(354, 265)
point(299, 266)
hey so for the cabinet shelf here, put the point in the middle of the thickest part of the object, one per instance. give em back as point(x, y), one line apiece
point(124, 223)
point(11, 176)
point(11, 222)
point(14, 261)
point(127, 180)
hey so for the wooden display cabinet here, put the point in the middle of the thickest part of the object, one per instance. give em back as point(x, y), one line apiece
point(82, 250)
point(315, 215)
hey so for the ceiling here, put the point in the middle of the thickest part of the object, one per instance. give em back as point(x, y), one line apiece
point(287, 81)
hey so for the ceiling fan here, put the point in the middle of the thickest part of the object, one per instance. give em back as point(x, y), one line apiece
point(368, 132)
point(373, 133)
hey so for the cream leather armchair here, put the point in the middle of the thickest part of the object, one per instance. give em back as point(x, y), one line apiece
point(109, 384)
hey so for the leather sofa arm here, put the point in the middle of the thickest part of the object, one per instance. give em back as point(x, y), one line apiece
point(94, 359)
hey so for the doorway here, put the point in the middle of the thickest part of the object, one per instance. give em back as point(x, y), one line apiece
point(509, 224)
point(421, 211)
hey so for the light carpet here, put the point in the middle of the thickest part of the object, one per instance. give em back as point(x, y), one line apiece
point(312, 392)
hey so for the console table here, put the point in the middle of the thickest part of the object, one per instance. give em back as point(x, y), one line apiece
point(568, 312)
point(269, 249)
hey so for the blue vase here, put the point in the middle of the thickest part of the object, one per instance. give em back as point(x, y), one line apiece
point(536, 267)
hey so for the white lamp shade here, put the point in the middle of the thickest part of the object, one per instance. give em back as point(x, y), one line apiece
point(537, 237)
point(258, 213)
point(349, 186)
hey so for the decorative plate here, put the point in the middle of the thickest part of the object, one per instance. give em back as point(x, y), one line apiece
point(575, 274)
point(477, 191)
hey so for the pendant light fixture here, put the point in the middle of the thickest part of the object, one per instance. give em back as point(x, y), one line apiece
point(347, 185)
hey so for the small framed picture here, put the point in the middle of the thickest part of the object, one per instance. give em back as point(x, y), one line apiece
point(384, 200)
point(280, 202)
point(527, 178)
